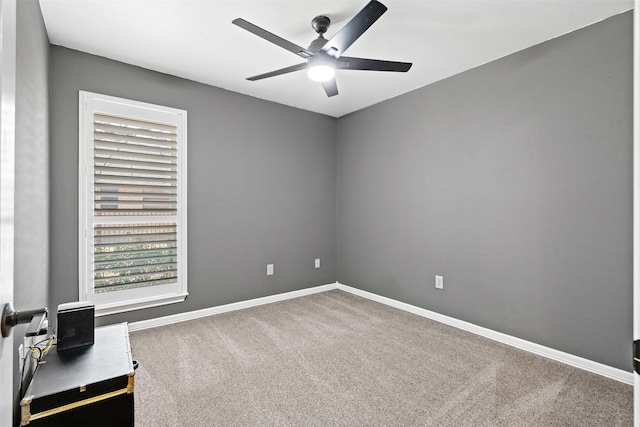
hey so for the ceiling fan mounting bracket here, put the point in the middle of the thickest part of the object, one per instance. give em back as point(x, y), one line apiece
point(321, 24)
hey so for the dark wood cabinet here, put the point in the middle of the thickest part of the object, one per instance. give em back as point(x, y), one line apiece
point(90, 386)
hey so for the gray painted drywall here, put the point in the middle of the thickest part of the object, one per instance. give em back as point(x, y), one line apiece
point(513, 181)
point(31, 232)
point(261, 185)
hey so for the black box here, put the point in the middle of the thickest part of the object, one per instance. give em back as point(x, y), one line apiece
point(76, 325)
point(84, 386)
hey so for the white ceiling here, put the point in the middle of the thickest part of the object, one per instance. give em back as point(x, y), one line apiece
point(195, 39)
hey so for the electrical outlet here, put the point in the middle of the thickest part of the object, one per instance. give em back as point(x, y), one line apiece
point(317, 264)
point(439, 282)
point(269, 269)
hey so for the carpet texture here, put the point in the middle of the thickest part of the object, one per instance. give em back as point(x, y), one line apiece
point(335, 359)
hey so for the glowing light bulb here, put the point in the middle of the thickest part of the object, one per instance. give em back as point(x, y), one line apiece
point(321, 73)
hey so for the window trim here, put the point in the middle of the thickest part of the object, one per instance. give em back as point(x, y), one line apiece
point(137, 298)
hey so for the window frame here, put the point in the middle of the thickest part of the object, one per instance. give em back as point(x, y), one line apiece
point(119, 301)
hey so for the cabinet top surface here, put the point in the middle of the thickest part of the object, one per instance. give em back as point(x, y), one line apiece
point(109, 357)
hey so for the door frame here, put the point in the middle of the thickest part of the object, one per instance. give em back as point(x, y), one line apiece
point(7, 194)
point(636, 201)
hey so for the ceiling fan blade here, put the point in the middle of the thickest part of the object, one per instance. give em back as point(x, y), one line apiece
point(330, 87)
point(354, 28)
point(277, 40)
point(350, 63)
point(285, 70)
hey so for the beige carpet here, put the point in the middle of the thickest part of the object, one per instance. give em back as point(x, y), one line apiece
point(335, 359)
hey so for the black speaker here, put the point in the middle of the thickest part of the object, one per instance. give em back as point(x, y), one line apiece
point(76, 325)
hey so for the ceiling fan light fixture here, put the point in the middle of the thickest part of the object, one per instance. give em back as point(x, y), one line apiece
point(321, 72)
point(322, 57)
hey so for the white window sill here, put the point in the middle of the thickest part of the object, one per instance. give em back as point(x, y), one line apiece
point(138, 304)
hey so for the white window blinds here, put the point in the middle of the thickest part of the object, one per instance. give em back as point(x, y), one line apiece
point(134, 174)
point(135, 239)
point(135, 169)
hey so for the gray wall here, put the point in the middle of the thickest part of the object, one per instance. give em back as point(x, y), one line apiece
point(261, 185)
point(514, 181)
point(31, 250)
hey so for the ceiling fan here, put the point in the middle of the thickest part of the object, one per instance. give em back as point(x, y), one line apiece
point(323, 56)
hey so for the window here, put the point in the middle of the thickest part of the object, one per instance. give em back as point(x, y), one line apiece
point(133, 204)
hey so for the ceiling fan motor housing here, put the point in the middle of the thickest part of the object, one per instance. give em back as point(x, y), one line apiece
point(321, 24)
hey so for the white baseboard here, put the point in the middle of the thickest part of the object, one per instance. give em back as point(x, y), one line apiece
point(197, 314)
point(560, 356)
